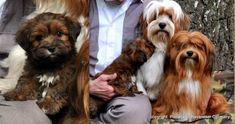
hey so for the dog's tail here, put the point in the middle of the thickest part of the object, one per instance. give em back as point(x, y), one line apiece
point(217, 104)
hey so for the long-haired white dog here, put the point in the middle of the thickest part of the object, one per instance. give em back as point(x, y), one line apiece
point(16, 59)
point(161, 20)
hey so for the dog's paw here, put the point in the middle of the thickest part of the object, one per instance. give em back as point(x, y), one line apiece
point(14, 96)
point(93, 111)
point(48, 107)
point(93, 107)
point(158, 110)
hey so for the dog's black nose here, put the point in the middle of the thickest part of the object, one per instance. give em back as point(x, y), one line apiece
point(189, 53)
point(162, 25)
point(51, 49)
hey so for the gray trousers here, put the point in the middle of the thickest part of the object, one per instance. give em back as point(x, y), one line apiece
point(21, 112)
point(121, 110)
point(127, 110)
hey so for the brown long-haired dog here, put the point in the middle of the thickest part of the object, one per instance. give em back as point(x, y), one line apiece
point(50, 70)
point(79, 92)
point(125, 66)
point(185, 88)
point(79, 95)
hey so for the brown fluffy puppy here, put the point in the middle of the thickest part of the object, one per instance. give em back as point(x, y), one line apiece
point(125, 66)
point(49, 42)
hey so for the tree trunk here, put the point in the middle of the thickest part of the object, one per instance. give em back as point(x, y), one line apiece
point(214, 18)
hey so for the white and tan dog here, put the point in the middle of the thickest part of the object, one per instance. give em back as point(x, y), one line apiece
point(161, 20)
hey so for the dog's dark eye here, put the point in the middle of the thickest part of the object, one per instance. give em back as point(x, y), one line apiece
point(201, 48)
point(177, 46)
point(58, 33)
point(170, 16)
point(38, 38)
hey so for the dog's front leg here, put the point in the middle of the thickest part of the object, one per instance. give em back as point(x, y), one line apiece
point(25, 90)
point(124, 87)
point(95, 104)
point(55, 99)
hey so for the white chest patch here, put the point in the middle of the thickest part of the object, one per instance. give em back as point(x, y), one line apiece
point(46, 80)
point(191, 87)
point(150, 73)
point(152, 70)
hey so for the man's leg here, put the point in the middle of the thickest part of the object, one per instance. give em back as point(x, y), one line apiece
point(128, 110)
point(21, 112)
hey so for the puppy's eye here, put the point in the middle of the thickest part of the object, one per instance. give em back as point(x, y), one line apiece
point(58, 33)
point(38, 38)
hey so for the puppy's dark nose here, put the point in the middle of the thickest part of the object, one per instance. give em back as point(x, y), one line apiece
point(189, 53)
point(51, 49)
point(162, 25)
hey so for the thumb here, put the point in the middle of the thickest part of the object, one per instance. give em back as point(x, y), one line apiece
point(114, 76)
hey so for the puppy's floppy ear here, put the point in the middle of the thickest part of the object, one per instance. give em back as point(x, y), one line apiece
point(136, 52)
point(141, 56)
point(23, 37)
point(73, 27)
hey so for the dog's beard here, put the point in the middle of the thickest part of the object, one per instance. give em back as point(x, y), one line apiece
point(44, 57)
point(162, 36)
point(189, 63)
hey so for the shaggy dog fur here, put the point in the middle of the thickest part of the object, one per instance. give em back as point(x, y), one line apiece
point(186, 86)
point(78, 11)
point(125, 66)
point(49, 42)
point(161, 20)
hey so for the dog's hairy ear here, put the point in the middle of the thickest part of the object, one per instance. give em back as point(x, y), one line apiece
point(143, 26)
point(141, 56)
point(210, 57)
point(183, 23)
point(74, 27)
point(209, 64)
point(135, 52)
point(23, 37)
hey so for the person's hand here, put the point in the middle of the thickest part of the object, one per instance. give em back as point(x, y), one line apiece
point(100, 88)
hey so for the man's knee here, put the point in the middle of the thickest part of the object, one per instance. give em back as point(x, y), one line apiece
point(139, 109)
point(126, 110)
